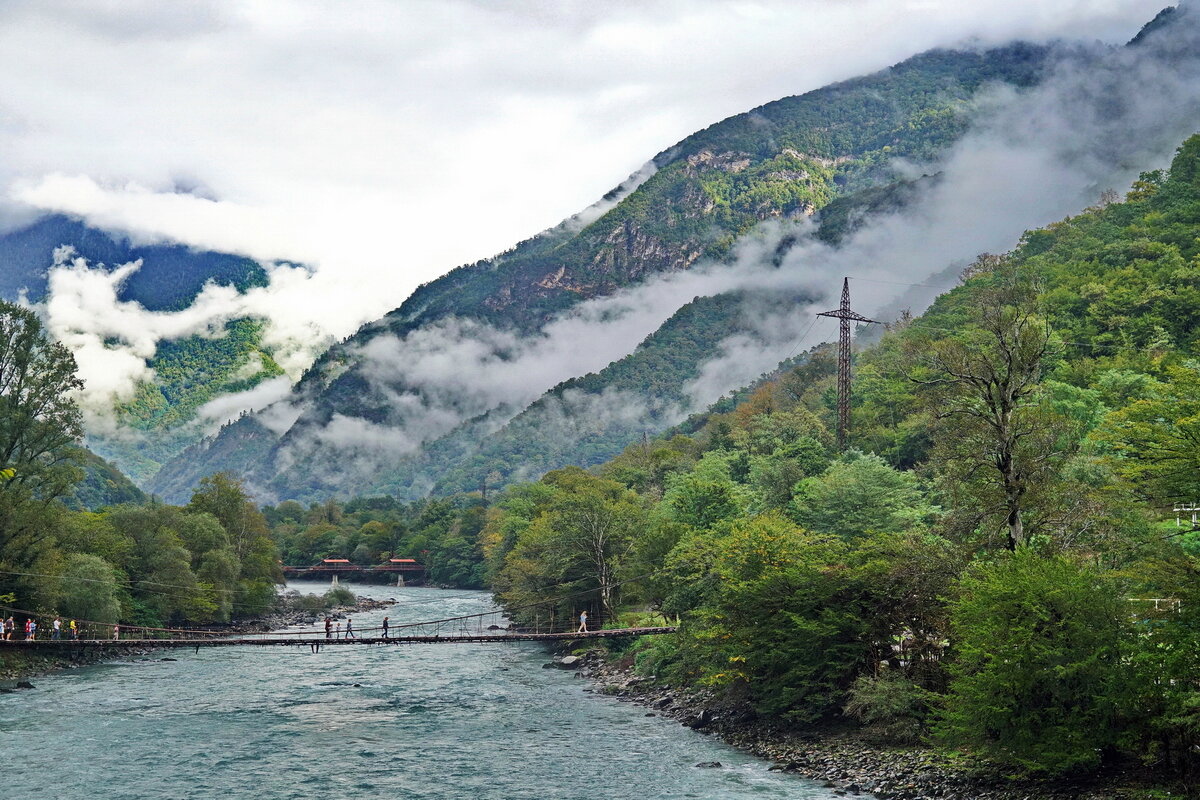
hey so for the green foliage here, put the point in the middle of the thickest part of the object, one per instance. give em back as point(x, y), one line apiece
point(572, 551)
point(444, 535)
point(102, 485)
point(860, 494)
point(247, 539)
point(89, 589)
point(1058, 381)
point(1037, 669)
point(39, 426)
point(1156, 438)
point(339, 596)
point(189, 372)
point(784, 629)
point(891, 707)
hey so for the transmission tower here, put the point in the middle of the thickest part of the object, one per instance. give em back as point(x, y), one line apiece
point(844, 314)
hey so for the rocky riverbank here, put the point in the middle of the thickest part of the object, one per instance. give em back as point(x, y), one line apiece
point(841, 758)
point(16, 666)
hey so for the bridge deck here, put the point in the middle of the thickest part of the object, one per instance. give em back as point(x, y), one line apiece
point(268, 640)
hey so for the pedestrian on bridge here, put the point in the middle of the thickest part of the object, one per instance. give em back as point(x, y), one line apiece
point(116, 632)
point(56, 634)
point(329, 627)
point(339, 631)
point(74, 631)
point(350, 628)
point(385, 627)
point(10, 625)
point(31, 630)
point(582, 622)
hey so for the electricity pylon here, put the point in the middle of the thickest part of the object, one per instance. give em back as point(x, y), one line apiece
point(844, 314)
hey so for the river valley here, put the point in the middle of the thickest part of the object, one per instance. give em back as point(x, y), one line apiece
point(452, 722)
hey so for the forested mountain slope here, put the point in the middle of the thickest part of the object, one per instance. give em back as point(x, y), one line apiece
point(1016, 451)
point(188, 371)
point(782, 161)
point(434, 395)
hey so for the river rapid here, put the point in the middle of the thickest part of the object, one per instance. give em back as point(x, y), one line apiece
point(446, 721)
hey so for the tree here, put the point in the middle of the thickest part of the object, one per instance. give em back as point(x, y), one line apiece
point(39, 424)
point(994, 446)
point(595, 520)
point(787, 625)
point(164, 587)
point(860, 494)
point(89, 589)
point(1038, 670)
point(224, 496)
point(570, 537)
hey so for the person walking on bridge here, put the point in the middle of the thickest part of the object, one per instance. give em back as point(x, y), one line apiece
point(56, 633)
point(350, 629)
point(385, 627)
point(74, 631)
point(116, 632)
point(10, 625)
point(31, 629)
point(582, 622)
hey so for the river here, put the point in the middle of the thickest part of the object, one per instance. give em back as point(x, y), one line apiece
point(446, 721)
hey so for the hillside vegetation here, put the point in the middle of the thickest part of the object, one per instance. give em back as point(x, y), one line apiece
point(975, 568)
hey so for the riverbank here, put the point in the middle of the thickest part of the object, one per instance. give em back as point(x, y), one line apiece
point(842, 758)
point(16, 666)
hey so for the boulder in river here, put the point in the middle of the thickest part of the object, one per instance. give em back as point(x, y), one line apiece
point(568, 662)
point(709, 764)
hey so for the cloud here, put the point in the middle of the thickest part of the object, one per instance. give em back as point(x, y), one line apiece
point(387, 142)
point(231, 406)
point(1032, 157)
point(113, 340)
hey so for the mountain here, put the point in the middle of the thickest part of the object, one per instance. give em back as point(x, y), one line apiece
point(562, 348)
point(170, 277)
point(102, 485)
point(189, 371)
point(780, 162)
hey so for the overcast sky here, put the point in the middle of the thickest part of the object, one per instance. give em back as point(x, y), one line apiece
point(384, 143)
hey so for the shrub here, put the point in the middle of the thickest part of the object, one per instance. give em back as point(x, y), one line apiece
point(891, 707)
point(339, 596)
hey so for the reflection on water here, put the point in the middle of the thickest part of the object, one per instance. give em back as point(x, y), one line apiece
point(415, 721)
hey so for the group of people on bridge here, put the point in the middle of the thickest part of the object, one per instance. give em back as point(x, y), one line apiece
point(334, 630)
point(57, 629)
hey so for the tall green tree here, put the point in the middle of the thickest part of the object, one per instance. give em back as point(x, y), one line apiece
point(1157, 439)
point(223, 496)
point(39, 424)
point(89, 589)
point(997, 447)
point(860, 494)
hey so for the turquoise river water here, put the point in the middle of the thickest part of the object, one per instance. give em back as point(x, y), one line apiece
point(446, 721)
